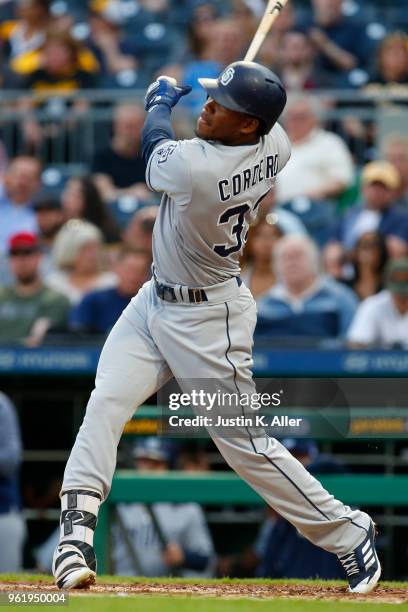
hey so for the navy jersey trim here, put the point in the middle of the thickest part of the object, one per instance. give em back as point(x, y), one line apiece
point(149, 164)
point(249, 433)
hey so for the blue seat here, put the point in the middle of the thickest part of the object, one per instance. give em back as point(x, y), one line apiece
point(125, 79)
point(54, 178)
point(124, 209)
point(319, 217)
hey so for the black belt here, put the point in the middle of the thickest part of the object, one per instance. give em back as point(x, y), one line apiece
point(195, 296)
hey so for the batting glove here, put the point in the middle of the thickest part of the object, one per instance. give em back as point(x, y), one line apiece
point(164, 91)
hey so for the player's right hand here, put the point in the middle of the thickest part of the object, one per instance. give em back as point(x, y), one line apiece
point(165, 91)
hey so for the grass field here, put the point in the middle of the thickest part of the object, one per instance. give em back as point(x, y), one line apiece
point(114, 594)
point(185, 604)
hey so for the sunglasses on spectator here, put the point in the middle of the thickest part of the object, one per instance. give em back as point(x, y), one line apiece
point(298, 116)
point(368, 244)
point(22, 252)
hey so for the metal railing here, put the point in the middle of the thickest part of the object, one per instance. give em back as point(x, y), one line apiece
point(71, 137)
point(220, 488)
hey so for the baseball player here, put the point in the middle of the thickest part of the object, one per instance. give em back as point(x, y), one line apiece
point(195, 319)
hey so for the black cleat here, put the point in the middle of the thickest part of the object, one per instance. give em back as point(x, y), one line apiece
point(362, 566)
point(74, 565)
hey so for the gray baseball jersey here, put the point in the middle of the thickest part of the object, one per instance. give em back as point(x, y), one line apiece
point(211, 194)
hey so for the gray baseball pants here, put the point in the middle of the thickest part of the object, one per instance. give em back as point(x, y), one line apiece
point(154, 340)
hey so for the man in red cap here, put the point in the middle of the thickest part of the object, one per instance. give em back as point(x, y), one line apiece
point(28, 309)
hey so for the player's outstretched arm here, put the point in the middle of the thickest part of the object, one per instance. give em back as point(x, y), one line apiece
point(164, 91)
point(160, 98)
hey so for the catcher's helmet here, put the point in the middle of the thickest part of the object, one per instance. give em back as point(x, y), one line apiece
point(248, 87)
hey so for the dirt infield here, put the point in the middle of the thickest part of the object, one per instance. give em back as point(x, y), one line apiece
point(312, 591)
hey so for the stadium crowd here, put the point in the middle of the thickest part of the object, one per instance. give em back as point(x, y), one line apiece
point(328, 257)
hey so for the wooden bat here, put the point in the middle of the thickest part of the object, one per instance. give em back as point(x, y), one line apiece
point(272, 11)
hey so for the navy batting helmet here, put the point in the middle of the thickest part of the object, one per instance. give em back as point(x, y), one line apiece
point(248, 87)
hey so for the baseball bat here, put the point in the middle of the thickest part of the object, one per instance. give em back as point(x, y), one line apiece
point(160, 533)
point(272, 11)
point(156, 525)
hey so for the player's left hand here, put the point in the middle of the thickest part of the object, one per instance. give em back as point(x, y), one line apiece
point(165, 91)
point(173, 555)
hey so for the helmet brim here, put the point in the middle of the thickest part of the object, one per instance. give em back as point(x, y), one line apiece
point(215, 92)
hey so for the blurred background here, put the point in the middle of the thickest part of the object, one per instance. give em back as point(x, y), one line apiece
point(327, 263)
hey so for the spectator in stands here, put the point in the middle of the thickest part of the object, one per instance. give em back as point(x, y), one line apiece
point(297, 70)
point(115, 51)
point(199, 29)
point(12, 525)
point(99, 310)
point(21, 182)
point(81, 199)
point(150, 25)
point(368, 259)
point(257, 272)
point(26, 34)
point(224, 46)
point(247, 15)
point(119, 170)
point(61, 65)
point(50, 219)
point(395, 151)
point(342, 43)
point(78, 255)
point(378, 211)
point(397, 247)
point(138, 234)
point(270, 54)
point(189, 548)
point(304, 304)
point(321, 166)
point(382, 320)
point(257, 269)
point(29, 309)
point(392, 63)
point(334, 261)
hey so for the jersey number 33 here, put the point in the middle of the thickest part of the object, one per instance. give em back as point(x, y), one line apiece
point(237, 230)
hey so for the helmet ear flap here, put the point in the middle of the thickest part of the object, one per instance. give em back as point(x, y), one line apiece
point(262, 129)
